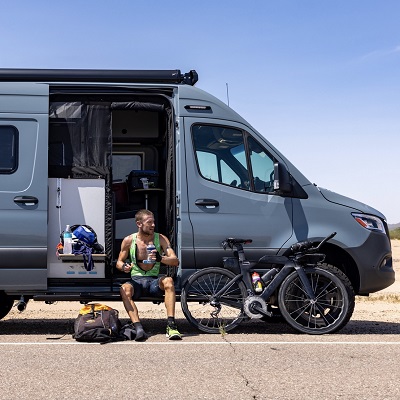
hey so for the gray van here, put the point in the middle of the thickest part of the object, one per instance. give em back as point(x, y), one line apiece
point(75, 146)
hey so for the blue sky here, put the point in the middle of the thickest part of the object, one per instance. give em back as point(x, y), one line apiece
point(319, 79)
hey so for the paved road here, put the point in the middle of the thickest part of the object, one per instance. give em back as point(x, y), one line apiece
point(257, 361)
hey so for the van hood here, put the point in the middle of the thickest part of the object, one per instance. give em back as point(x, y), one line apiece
point(348, 202)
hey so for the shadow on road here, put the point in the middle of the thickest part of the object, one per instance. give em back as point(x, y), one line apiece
point(65, 326)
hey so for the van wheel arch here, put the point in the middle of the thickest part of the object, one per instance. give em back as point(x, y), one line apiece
point(339, 258)
point(6, 303)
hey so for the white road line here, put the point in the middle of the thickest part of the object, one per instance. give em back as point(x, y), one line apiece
point(184, 343)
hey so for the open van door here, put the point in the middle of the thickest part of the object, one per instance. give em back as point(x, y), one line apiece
point(23, 186)
point(230, 190)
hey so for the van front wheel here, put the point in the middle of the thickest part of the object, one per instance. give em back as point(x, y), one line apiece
point(6, 304)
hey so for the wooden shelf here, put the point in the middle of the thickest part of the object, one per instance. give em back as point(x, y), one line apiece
point(79, 257)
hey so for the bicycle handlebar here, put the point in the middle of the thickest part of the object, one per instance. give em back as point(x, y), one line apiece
point(301, 247)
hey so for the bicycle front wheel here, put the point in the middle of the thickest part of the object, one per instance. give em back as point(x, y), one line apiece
point(208, 312)
point(331, 308)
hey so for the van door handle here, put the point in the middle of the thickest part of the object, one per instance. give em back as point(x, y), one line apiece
point(207, 203)
point(27, 200)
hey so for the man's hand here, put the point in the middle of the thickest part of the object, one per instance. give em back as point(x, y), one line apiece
point(126, 267)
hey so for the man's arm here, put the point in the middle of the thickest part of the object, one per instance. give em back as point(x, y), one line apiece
point(124, 254)
point(169, 257)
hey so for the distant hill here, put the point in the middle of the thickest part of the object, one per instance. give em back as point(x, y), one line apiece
point(393, 226)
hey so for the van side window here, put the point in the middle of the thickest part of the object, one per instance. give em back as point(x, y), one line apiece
point(220, 154)
point(8, 149)
point(262, 165)
point(223, 157)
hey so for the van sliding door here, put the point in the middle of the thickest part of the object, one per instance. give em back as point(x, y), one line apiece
point(23, 186)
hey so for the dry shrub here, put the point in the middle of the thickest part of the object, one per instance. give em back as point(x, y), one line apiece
point(387, 297)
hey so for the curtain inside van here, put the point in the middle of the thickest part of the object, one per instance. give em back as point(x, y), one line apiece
point(79, 140)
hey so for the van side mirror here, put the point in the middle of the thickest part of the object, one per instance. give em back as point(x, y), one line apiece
point(282, 181)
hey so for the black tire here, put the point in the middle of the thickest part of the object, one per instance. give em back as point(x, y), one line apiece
point(6, 304)
point(334, 305)
point(226, 312)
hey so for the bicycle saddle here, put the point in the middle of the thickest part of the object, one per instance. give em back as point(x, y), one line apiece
point(231, 242)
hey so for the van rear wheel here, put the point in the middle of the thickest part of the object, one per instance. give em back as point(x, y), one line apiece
point(6, 304)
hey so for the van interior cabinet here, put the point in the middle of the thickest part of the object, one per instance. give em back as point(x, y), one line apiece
point(75, 201)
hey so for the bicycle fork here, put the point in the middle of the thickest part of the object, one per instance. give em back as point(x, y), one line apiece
point(306, 283)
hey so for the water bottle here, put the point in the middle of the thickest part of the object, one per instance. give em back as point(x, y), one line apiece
point(67, 241)
point(150, 248)
point(255, 277)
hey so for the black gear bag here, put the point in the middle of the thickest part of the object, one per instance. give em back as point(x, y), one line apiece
point(97, 323)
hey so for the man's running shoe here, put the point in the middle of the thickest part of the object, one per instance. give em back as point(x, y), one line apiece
point(173, 333)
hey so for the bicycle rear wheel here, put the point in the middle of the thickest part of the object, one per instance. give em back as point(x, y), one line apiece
point(333, 305)
point(207, 312)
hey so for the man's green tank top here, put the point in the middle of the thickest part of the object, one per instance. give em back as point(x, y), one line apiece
point(136, 270)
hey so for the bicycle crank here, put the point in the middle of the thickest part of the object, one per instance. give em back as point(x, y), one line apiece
point(255, 307)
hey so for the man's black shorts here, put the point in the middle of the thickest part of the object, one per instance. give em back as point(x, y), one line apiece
point(146, 286)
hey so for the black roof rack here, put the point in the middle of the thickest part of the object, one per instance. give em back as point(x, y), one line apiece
point(98, 75)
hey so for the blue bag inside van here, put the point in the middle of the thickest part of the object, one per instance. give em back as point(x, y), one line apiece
point(84, 234)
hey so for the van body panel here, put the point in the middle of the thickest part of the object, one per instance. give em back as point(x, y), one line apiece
point(18, 280)
point(315, 218)
point(376, 269)
point(192, 96)
point(26, 97)
point(184, 226)
point(23, 192)
point(346, 201)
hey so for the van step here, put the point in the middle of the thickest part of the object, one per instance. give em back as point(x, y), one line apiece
point(87, 297)
point(83, 297)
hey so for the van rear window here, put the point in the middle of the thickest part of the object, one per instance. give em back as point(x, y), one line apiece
point(8, 149)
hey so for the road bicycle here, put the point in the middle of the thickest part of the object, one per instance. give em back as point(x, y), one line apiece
point(312, 296)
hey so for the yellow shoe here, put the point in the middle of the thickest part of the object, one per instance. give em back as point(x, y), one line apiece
point(173, 333)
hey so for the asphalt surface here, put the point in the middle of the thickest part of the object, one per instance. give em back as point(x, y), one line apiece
point(258, 360)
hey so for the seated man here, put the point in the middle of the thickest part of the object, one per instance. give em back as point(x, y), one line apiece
point(144, 275)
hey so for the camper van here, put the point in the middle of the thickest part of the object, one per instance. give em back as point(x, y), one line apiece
point(92, 147)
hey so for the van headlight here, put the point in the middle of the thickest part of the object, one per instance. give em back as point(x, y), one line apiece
point(369, 222)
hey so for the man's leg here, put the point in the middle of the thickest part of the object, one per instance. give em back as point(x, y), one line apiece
point(127, 292)
point(167, 284)
point(130, 307)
